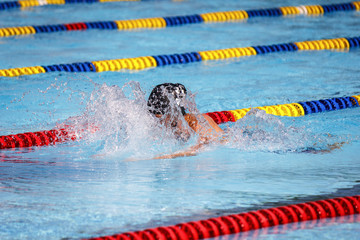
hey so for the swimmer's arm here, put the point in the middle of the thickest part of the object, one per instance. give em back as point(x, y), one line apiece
point(212, 123)
point(206, 137)
point(192, 151)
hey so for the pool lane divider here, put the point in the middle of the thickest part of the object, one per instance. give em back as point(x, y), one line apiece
point(291, 109)
point(161, 22)
point(39, 138)
point(243, 222)
point(66, 134)
point(34, 3)
point(292, 10)
point(140, 63)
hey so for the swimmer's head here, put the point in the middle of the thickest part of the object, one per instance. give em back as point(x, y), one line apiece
point(159, 102)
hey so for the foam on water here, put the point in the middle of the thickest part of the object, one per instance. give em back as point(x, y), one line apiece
point(258, 131)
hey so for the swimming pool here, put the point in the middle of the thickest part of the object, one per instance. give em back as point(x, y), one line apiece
point(88, 188)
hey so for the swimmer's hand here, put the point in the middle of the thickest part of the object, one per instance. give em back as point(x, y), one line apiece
point(330, 148)
point(335, 146)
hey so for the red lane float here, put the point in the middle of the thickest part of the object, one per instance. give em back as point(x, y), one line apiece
point(243, 222)
point(39, 138)
point(75, 26)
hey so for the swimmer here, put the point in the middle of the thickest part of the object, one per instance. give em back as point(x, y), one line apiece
point(166, 102)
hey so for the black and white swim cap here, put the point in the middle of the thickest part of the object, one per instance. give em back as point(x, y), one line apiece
point(159, 102)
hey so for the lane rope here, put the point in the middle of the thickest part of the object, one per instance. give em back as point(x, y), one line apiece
point(54, 136)
point(161, 22)
point(140, 63)
point(35, 3)
point(39, 138)
point(243, 222)
point(290, 109)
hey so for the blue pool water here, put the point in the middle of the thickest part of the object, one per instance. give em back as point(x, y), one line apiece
point(90, 188)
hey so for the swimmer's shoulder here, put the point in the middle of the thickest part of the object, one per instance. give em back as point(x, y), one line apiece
point(193, 121)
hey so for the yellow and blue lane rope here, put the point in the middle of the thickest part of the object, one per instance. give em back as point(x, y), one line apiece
point(139, 63)
point(160, 22)
point(291, 109)
point(34, 3)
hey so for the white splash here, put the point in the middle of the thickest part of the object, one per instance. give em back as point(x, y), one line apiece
point(258, 131)
point(117, 121)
